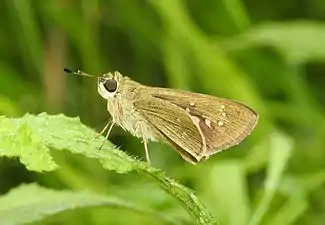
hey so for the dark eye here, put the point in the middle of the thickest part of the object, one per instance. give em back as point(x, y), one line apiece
point(110, 85)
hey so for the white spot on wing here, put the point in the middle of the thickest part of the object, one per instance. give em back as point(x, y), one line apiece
point(220, 123)
point(207, 122)
point(222, 108)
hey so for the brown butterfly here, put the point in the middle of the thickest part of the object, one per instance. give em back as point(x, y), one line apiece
point(195, 125)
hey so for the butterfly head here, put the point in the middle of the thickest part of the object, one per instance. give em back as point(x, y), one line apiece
point(108, 84)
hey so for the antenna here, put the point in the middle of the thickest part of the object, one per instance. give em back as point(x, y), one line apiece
point(79, 73)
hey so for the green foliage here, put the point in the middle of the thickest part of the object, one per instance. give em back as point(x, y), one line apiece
point(267, 54)
point(42, 132)
point(29, 203)
point(280, 151)
point(298, 41)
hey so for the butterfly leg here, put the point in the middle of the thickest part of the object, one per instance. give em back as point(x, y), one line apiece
point(108, 132)
point(145, 143)
point(103, 130)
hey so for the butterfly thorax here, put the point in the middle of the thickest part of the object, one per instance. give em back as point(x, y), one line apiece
point(125, 115)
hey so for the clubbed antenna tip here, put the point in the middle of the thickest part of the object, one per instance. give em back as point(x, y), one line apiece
point(67, 70)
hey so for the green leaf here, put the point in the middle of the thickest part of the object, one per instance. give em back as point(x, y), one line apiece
point(298, 41)
point(31, 203)
point(280, 150)
point(230, 192)
point(17, 139)
point(296, 204)
point(290, 212)
point(30, 138)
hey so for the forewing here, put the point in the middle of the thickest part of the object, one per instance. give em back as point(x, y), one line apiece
point(175, 126)
point(223, 122)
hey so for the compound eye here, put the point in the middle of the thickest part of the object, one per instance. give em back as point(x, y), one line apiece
point(110, 85)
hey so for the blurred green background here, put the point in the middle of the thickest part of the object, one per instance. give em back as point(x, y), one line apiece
point(268, 54)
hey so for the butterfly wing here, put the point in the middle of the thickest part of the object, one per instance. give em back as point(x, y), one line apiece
point(174, 125)
point(222, 122)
